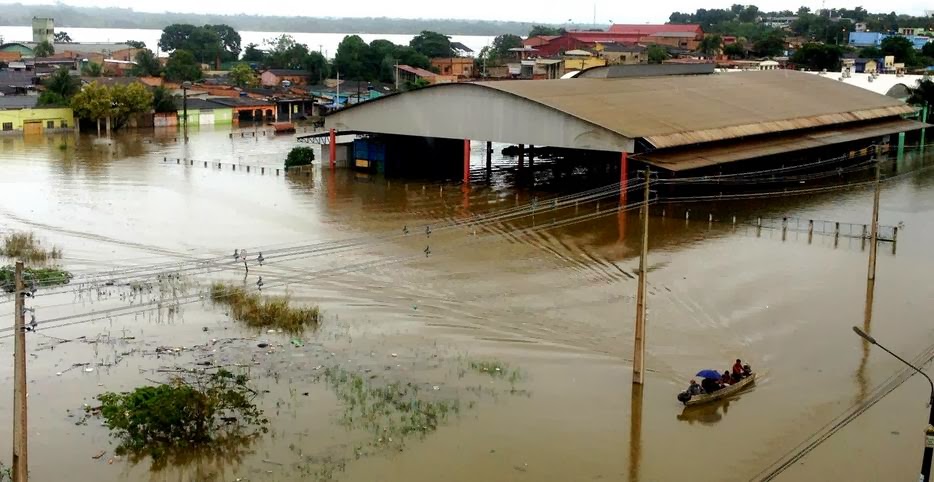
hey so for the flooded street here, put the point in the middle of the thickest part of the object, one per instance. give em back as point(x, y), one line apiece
point(549, 302)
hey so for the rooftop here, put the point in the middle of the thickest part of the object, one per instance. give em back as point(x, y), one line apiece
point(288, 72)
point(415, 70)
point(18, 101)
point(653, 29)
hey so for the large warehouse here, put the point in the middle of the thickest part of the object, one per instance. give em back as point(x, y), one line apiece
point(673, 122)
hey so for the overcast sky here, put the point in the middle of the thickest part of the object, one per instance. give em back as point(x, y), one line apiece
point(552, 11)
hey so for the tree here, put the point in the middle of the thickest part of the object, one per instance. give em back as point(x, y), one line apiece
point(147, 65)
point(546, 30)
point(286, 53)
point(44, 49)
point(62, 37)
point(136, 44)
point(657, 54)
point(900, 47)
point(229, 39)
point(182, 66)
point(817, 56)
point(162, 100)
point(351, 58)
point(710, 45)
point(870, 53)
point(432, 44)
point(93, 102)
point(928, 49)
point(126, 100)
point(207, 43)
point(772, 45)
point(242, 75)
point(749, 14)
point(502, 44)
point(735, 51)
point(922, 94)
point(92, 69)
point(316, 65)
point(253, 54)
point(60, 87)
point(299, 156)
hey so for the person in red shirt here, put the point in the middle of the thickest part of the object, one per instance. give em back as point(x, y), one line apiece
point(738, 371)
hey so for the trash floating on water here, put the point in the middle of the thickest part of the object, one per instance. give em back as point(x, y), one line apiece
point(393, 355)
point(89, 369)
point(262, 344)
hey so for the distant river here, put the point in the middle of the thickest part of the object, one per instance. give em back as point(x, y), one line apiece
point(326, 43)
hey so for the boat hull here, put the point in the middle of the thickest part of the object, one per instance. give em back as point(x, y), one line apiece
point(723, 392)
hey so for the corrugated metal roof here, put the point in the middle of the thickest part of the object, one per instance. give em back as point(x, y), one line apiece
point(683, 110)
point(697, 157)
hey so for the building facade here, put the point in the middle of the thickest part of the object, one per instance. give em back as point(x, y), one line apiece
point(460, 66)
point(43, 30)
point(35, 121)
point(275, 77)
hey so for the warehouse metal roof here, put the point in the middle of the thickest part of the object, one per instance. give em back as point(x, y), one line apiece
point(614, 114)
point(682, 110)
point(725, 152)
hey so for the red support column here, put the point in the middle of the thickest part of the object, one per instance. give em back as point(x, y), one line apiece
point(466, 161)
point(333, 148)
point(623, 176)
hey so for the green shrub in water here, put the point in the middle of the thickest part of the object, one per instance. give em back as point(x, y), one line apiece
point(300, 156)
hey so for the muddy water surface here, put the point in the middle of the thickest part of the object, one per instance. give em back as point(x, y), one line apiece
point(555, 302)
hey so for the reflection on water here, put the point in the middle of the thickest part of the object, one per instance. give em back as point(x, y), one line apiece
point(708, 413)
point(862, 378)
point(635, 432)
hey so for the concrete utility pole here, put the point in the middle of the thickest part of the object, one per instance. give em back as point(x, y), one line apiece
point(20, 467)
point(874, 233)
point(638, 356)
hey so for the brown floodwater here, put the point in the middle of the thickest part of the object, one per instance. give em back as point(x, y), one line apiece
point(550, 298)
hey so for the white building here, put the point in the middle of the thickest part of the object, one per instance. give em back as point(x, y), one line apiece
point(43, 30)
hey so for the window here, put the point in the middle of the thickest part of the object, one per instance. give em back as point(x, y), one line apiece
point(64, 124)
point(8, 126)
point(50, 125)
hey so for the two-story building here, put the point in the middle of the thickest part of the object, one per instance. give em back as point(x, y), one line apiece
point(275, 77)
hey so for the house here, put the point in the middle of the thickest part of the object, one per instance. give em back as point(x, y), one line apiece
point(14, 82)
point(118, 68)
point(874, 39)
point(203, 112)
point(275, 77)
point(462, 67)
point(406, 74)
point(581, 60)
point(622, 54)
point(6, 57)
point(684, 36)
point(865, 66)
point(19, 115)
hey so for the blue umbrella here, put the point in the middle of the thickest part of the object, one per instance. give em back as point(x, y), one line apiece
point(709, 374)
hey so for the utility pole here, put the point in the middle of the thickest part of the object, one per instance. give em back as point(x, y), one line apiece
point(638, 357)
point(19, 379)
point(874, 234)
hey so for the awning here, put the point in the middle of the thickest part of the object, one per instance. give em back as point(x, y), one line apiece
point(739, 150)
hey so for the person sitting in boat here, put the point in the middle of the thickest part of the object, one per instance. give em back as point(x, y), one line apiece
point(726, 379)
point(710, 385)
point(738, 371)
point(695, 389)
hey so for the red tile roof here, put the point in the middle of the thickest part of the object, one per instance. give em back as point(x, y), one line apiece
point(653, 29)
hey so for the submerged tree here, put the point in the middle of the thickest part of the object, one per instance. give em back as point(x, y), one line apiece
point(60, 87)
point(147, 65)
point(182, 66)
point(44, 49)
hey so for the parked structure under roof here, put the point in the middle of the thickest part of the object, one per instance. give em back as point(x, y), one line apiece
point(633, 115)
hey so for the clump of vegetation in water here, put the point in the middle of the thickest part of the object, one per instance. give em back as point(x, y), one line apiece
point(40, 276)
point(210, 412)
point(6, 473)
point(495, 369)
point(26, 246)
point(259, 311)
point(300, 156)
point(390, 412)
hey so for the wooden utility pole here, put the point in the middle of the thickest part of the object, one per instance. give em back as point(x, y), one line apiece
point(638, 357)
point(19, 380)
point(874, 233)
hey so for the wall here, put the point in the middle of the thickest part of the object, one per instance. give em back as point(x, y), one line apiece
point(581, 63)
point(165, 119)
point(223, 116)
point(268, 79)
point(40, 116)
